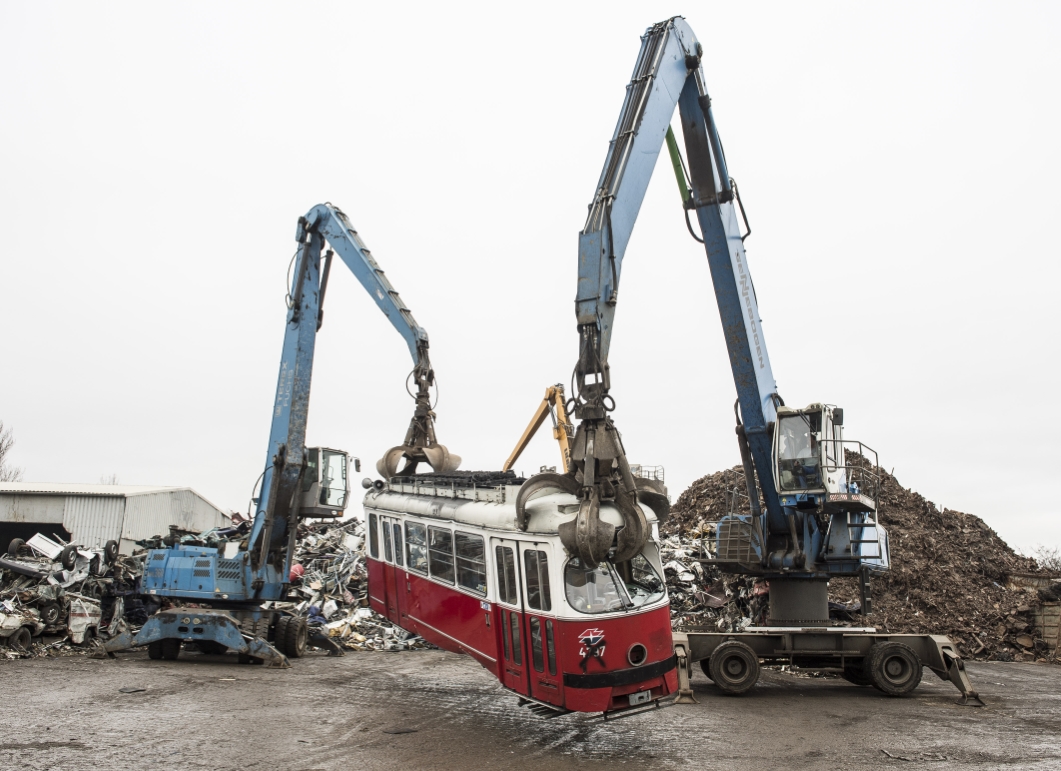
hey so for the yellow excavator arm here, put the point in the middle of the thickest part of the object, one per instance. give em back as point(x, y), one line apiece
point(553, 405)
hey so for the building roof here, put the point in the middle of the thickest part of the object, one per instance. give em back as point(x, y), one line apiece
point(111, 491)
point(63, 488)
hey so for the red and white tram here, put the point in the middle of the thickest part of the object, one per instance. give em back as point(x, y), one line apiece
point(447, 561)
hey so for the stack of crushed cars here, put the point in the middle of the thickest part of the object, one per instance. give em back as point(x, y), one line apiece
point(329, 583)
point(56, 598)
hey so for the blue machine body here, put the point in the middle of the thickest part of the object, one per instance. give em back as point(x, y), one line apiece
point(238, 583)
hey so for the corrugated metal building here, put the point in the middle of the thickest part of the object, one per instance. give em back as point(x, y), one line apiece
point(91, 515)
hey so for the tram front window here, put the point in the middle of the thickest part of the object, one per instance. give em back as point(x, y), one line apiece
point(799, 452)
point(612, 586)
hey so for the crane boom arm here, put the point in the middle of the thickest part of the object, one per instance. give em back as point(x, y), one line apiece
point(274, 523)
point(336, 229)
point(667, 74)
point(551, 404)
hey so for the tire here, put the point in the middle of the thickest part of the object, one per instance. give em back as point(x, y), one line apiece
point(110, 552)
point(86, 641)
point(15, 547)
point(21, 640)
point(69, 557)
point(280, 633)
point(171, 648)
point(705, 665)
point(49, 613)
point(293, 636)
point(894, 668)
point(856, 674)
point(734, 667)
point(154, 650)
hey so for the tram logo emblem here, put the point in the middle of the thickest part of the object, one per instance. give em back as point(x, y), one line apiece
point(592, 643)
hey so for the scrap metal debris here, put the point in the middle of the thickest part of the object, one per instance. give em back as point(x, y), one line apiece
point(54, 596)
point(951, 574)
point(330, 580)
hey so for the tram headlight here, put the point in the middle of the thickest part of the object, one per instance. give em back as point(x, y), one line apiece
point(637, 655)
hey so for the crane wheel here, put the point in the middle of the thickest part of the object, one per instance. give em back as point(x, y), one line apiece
point(171, 648)
point(894, 668)
point(856, 674)
point(734, 667)
point(154, 650)
point(292, 636)
point(705, 665)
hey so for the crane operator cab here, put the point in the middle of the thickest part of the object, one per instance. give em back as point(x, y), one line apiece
point(809, 451)
point(325, 482)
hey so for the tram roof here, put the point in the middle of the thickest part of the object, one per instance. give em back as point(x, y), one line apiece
point(545, 510)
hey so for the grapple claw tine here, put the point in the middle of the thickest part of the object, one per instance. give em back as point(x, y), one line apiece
point(587, 537)
point(387, 466)
point(546, 480)
point(635, 531)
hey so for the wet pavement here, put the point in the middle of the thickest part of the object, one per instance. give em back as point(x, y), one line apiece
point(435, 710)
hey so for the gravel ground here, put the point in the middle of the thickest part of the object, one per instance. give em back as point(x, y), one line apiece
point(436, 710)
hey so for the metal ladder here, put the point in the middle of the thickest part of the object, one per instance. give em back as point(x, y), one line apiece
point(869, 522)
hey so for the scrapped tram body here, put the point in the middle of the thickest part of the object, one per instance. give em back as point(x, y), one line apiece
point(447, 561)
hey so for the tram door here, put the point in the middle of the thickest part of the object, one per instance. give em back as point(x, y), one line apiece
point(508, 614)
point(539, 623)
point(390, 528)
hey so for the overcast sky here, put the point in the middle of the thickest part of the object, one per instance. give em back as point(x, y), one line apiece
point(899, 163)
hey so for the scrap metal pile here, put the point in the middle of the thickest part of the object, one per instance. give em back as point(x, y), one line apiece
point(330, 575)
point(951, 574)
point(56, 598)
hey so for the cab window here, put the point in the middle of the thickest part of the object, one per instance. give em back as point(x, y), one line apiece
point(333, 479)
point(799, 451)
point(373, 536)
point(611, 586)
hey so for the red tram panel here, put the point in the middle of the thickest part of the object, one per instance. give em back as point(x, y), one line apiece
point(446, 561)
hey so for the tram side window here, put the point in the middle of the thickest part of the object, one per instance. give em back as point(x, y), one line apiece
point(471, 562)
point(517, 650)
point(373, 537)
point(537, 565)
point(550, 646)
point(536, 644)
point(397, 544)
point(506, 576)
point(504, 632)
point(416, 547)
point(440, 553)
point(387, 540)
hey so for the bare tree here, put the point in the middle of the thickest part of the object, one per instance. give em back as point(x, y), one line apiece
point(8, 473)
point(109, 480)
point(1048, 558)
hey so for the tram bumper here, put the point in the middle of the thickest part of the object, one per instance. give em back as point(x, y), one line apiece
point(622, 688)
